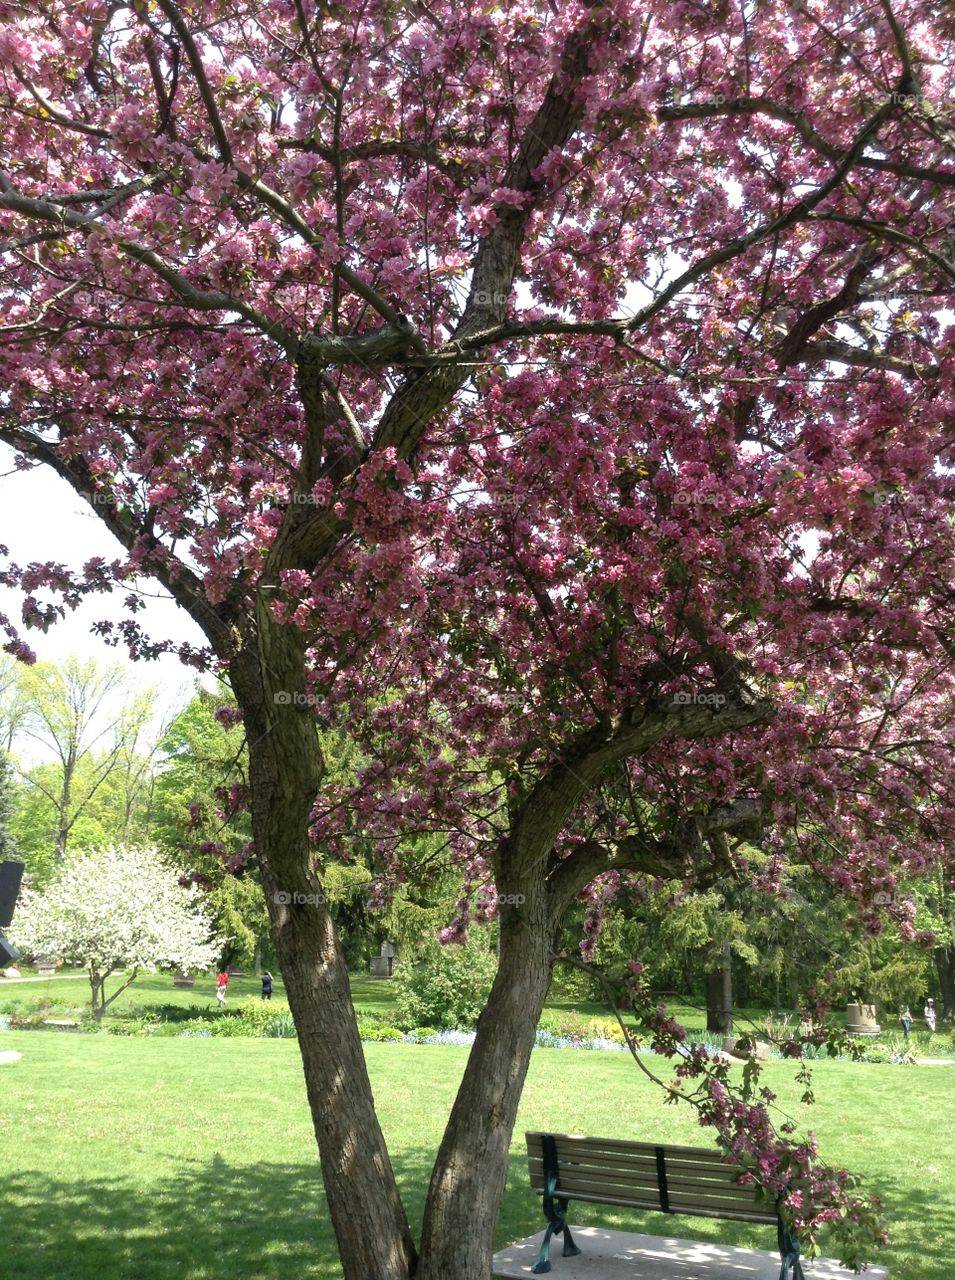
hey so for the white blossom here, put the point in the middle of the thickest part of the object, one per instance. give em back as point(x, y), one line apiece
point(117, 909)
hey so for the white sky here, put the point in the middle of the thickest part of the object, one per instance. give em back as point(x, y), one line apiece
point(42, 519)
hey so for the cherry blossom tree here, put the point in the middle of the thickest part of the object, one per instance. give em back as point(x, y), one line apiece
point(558, 398)
point(118, 912)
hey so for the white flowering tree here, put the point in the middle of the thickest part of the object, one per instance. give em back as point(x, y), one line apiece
point(115, 910)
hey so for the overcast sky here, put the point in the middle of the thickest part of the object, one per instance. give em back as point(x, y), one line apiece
point(42, 519)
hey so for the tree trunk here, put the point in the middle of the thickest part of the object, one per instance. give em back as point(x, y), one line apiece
point(63, 821)
point(97, 985)
point(945, 966)
point(285, 769)
point(467, 1184)
point(719, 995)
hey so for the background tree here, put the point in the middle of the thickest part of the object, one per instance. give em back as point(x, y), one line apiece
point(86, 716)
point(595, 536)
point(116, 910)
point(13, 707)
point(8, 843)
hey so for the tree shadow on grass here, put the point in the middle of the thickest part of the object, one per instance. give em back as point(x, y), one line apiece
point(209, 1219)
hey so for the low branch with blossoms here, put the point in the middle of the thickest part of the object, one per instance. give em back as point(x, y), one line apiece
point(811, 1196)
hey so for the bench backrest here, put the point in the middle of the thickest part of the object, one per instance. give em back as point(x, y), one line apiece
point(642, 1175)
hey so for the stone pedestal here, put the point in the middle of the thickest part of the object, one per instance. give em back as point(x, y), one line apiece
point(860, 1020)
point(733, 1045)
point(380, 967)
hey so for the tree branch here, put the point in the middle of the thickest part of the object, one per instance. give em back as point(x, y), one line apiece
point(199, 299)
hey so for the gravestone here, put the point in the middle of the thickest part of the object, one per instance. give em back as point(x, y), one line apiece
point(382, 966)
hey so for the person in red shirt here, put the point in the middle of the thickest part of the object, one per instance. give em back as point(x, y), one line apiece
point(221, 983)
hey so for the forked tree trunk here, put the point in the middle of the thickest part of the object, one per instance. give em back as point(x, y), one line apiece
point(285, 764)
point(467, 1184)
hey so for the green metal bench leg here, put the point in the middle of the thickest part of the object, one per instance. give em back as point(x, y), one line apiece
point(791, 1268)
point(555, 1207)
point(556, 1226)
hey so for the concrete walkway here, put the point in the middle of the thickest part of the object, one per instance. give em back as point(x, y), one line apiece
point(53, 977)
point(625, 1255)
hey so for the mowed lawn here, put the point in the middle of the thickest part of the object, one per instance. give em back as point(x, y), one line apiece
point(176, 1159)
point(70, 990)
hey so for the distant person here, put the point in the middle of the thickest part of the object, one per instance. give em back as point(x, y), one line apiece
point(929, 1014)
point(905, 1017)
point(266, 985)
point(222, 983)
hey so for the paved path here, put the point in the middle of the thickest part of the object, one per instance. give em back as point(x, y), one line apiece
point(54, 977)
point(625, 1255)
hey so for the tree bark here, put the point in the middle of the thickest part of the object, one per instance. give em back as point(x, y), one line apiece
point(470, 1172)
point(63, 822)
point(719, 995)
point(285, 769)
point(945, 967)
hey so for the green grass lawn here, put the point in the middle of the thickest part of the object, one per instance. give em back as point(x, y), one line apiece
point(193, 1159)
point(69, 991)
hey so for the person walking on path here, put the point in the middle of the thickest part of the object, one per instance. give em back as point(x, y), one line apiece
point(221, 983)
point(905, 1018)
point(929, 1012)
point(266, 985)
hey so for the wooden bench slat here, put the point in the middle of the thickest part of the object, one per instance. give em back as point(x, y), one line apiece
point(742, 1198)
point(753, 1215)
point(717, 1175)
point(569, 1185)
point(618, 1144)
point(629, 1177)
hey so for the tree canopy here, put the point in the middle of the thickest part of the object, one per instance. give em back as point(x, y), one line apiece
point(556, 399)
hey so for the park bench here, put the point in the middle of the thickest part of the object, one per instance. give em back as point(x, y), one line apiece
point(644, 1175)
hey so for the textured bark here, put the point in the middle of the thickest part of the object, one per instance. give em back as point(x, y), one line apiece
point(719, 995)
point(367, 1215)
point(470, 1172)
point(945, 966)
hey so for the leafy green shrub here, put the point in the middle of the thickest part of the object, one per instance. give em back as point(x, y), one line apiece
point(446, 988)
point(257, 1017)
point(575, 984)
point(379, 1034)
point(282, 1026)
point(575, 1026)
point(423, 1033)
point(372, 1016)
point(877, 1053)
point(28, 1021)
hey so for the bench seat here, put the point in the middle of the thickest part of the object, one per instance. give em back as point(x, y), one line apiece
point(667, 1178)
